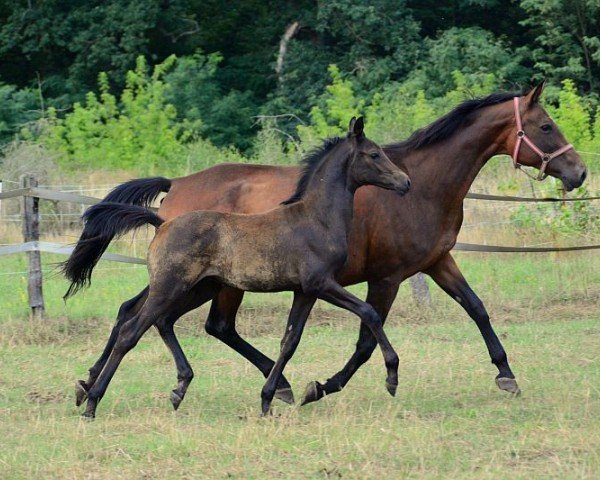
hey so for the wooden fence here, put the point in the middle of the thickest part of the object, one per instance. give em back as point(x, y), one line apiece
point(30, 195)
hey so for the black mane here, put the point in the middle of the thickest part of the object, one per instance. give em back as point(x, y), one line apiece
point(310, 163)
point(444, 127)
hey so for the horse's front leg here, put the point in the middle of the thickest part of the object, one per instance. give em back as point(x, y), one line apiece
point(221, 325)
point(381, 296)
point(297, 319)
point(447, 275)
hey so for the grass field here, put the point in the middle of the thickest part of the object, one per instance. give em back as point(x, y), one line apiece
point(448, 419)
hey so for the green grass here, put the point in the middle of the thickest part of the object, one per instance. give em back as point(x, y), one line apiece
point(447, 421)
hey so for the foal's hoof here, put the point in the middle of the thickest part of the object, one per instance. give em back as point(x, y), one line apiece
point(314, 391)
point(176, 399)
point(391, 388)
point(509, 385)
point(285, 395)
point(80, 392)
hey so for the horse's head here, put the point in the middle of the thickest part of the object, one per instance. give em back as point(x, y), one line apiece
point(370, 165)
point(536, 141)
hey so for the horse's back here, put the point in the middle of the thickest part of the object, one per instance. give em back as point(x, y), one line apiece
point(230, 187)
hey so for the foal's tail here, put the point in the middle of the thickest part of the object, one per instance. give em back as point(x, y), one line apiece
point(103, 222)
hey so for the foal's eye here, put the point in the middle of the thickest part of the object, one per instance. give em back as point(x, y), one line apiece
point(546, 127)
point(374, 155)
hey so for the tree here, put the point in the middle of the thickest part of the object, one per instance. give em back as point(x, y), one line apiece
point(567, 33)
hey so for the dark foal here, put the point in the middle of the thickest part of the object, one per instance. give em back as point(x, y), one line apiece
point(391, 237)
point(298, 247)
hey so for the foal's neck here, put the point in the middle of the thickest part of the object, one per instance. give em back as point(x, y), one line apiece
point(329, 195)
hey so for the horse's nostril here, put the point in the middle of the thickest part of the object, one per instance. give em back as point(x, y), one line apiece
point(583, 176)
point(408, 183)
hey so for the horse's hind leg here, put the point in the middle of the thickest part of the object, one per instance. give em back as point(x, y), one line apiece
point(128, 310)
point(221, 325)
point(297, 319)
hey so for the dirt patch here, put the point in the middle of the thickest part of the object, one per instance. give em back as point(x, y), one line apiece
point(45, 397)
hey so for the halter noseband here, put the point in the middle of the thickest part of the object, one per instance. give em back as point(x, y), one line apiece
point(521, 137)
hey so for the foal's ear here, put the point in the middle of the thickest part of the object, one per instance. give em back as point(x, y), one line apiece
point(534, 95)
point(357, 127)
point(351, 126)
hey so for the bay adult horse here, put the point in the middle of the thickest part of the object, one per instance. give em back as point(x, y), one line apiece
point(297, 247)
point(391, 238)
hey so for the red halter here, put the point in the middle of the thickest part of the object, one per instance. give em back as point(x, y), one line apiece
point(521, 137)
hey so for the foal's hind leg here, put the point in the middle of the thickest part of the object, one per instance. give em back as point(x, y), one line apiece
point(221, 324)
point(201, 293)
point(128, 310)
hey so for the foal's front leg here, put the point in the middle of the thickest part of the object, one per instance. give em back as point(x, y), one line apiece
point(380, 296)
point(297, 319)
point(338, 296)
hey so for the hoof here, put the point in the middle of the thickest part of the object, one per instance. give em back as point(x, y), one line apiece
point(80, 392)
point(266, 409)
point(285, 395)
point(391, 388)
point(88, 416)
point(176, 399)
point(314, 391)
point(509, 385)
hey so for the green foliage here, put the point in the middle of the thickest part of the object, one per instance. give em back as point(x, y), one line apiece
point(17, 109)
point(331, 115)
point(137, 131)
point(473, 52)
point(567, 33)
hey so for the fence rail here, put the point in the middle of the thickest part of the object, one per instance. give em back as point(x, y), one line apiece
point(30, 194)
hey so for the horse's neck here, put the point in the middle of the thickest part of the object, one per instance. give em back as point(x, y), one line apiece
point(446, 170)
point(328, 197)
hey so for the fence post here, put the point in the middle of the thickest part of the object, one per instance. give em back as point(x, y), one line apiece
point(420, 290)
point(31, 233)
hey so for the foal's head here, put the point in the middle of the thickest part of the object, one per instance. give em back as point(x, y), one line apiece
point(562, 161)
point(370, 165)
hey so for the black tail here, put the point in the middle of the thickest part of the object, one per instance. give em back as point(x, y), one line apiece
point(103, 222)
point(94, 239)
point(142, 191)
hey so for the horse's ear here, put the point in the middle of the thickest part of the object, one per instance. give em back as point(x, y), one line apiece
point(358, 128)
point(351, 126)
point(534, 95)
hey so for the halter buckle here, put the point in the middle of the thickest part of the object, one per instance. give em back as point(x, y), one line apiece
point(546, 158)
point(521, 133)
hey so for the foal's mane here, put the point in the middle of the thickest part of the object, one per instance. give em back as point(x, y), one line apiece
point(309, 164)
point(446, 126)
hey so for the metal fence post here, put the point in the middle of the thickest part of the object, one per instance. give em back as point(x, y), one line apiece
point(31, 233)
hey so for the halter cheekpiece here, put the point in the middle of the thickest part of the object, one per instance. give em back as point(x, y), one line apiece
point(522, 137)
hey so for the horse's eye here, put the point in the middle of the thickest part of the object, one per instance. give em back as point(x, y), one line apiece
point(546, 127)
point(374, 155)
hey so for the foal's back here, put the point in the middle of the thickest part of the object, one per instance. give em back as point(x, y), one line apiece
point(259, 252)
